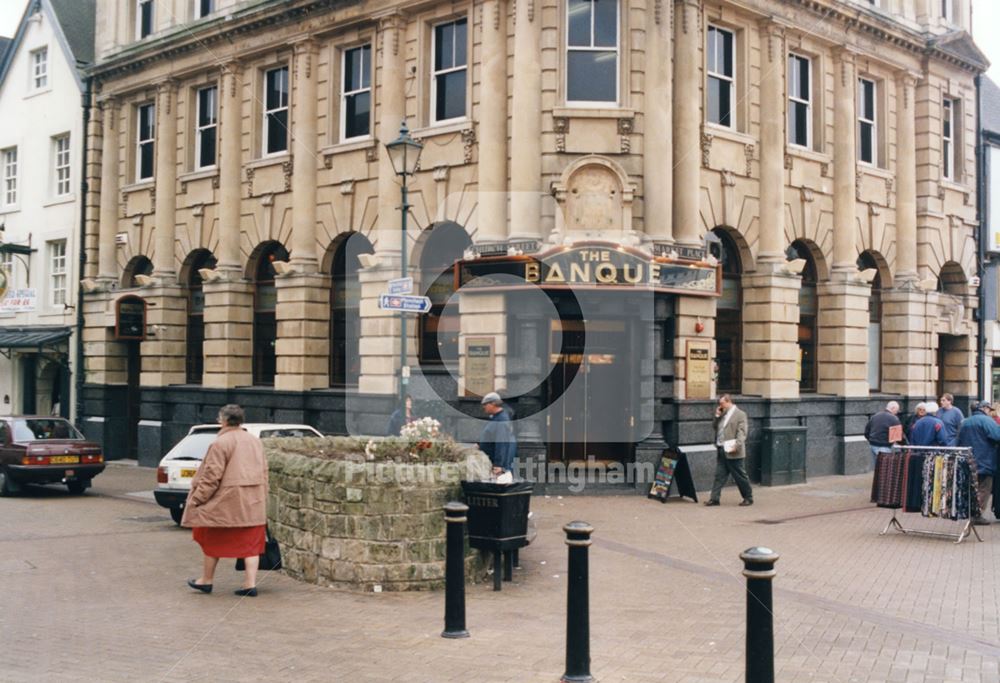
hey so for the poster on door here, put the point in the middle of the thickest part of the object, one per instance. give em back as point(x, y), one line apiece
point(19, 301)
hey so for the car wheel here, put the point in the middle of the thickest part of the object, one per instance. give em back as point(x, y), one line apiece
point(176, 514)
point(8, 487)
point(77, 486)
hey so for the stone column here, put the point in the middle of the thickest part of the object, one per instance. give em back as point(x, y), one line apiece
point(163, 352)
point(304, 161)
point(772, 145)
point(526, 123)
point(770, 334)
point(657, 134)
point(230, 166)
point(166, 182)
point(484, 315)
point(906, 181)
point(391, 110)
point(107, 261)
point(908, 342)
point(492, 210)
point(843, 336)
point(228, 333)
point(844, 163)
point(689, 312)
point(687, 121)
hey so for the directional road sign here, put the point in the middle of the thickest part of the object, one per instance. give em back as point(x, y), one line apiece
point(403, 285)
point(407, 304)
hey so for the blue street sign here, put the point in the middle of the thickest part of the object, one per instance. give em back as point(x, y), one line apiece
point(403, 285)
point(407, 304)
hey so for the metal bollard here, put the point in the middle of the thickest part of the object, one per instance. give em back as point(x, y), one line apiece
point(454, 571)
point(758, 567)
point(578, 603)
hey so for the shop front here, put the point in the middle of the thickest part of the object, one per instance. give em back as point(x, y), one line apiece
point(38, 381)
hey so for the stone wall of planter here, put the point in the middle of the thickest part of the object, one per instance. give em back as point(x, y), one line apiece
point(372, 526)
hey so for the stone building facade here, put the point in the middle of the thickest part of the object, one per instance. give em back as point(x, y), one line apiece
point(774, 168)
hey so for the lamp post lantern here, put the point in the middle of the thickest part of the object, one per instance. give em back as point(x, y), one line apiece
point(404, 154)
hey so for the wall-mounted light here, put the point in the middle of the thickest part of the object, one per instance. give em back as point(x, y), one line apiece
point(795, 266)
point(283, 267)
point(368, 260)
point(209, 275)
point(88, 285)
point(868, 275)
point(143, 280)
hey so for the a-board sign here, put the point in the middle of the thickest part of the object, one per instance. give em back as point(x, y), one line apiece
point(698, 369)
point(130, 318)
point(479, 366)
point(672, 468)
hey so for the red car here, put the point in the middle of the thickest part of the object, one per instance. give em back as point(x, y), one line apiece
point(45, 450)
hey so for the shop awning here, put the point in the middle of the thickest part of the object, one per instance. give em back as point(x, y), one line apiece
point(32, 337)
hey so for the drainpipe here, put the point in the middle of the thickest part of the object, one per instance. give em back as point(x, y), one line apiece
point(980, 246)
point(82, 235)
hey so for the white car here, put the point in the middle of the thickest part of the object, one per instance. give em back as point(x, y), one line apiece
point(179, 465)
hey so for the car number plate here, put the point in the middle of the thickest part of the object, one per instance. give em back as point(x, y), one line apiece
point(187, 474)
point(64, 459)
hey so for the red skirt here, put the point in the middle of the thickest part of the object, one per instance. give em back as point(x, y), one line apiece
point(218, 541)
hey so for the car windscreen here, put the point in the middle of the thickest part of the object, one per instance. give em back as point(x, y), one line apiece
point(285, 432)
point(44, 429)
point(192, 447)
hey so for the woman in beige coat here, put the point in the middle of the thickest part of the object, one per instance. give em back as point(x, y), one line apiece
point(227, 506)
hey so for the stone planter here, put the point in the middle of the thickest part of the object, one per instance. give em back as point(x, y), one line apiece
point(364, 525)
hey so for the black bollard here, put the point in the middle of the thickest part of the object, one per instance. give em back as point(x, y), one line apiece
point(454, 571)
point(578, 603)
point(758, 567)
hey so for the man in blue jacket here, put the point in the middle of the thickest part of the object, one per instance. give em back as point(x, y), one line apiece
point(497, 440)
point(928, 430)
point(982, 434)
point(951, 417)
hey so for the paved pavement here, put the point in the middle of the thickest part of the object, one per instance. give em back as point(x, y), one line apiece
point(93, 589)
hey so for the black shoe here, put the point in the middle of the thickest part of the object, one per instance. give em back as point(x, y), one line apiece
point(246, 592)
point(711, 503)
point(203, 587)
point(747, 502)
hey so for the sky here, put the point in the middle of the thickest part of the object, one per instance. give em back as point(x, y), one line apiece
point(985, 16)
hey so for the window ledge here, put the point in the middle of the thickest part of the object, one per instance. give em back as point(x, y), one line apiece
point(349, 146)
point(876, 171)
point(55, 201)
point(9, 209)
point(580, 112)
point(809, 154)
point(955, 187)
point(136, 187)
point(264, 162)
point(36, 93)
point(200, 174)
point(731, 134)
point(449, 128)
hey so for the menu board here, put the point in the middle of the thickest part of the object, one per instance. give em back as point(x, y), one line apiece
point(130, 318)
point(479, 366)
point(698, 369)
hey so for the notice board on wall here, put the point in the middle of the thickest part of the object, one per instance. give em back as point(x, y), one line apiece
point(698, 369)
point(479, 366)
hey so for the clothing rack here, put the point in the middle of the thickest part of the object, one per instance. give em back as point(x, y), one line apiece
point(887, 489)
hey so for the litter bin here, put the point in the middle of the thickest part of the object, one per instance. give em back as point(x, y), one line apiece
point(498, 521)
point(783, 456)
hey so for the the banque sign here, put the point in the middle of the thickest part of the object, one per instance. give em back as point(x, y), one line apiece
point(592, 265)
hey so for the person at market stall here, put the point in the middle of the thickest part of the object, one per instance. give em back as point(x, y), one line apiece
point(879, 428)
point(951, 417)
point(497, 439)
point(403, 415)
point(929, 430)
point(980, 433)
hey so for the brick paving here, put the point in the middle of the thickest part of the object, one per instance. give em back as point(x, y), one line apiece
point(93, 589)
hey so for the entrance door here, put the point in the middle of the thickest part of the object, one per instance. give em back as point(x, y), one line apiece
point(592, 376)
point(132, 399)
point(29, 384)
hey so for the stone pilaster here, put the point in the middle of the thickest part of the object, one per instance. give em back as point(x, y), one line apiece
point(380, 331)
point(492, 209)
point(772, 143)
point(691, 310)
point(844, 163)
point(230, 163)
point(843, 337)
point(687, 121)
point(107, 263)
point(228, 333)
point(391, 110)
point(526, 123)
point(104, 358)
point(657, 132)
point(907, 344)
point(304, 158)
point(484, 316)
point(164, 351)
point(166, 182)
point(906, 180)
point(303, 346)
point(770, 334)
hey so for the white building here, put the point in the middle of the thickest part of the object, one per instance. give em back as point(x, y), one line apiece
point(42, 137)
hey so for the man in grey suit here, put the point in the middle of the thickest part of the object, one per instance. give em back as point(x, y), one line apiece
point(730, 428)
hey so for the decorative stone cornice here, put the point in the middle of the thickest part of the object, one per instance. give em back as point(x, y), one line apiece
point(773, 34)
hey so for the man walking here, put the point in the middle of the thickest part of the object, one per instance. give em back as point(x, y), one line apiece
point(497, 440)
point(730, 427)
point(880, 433)
point(980, 433)
point(951, 417)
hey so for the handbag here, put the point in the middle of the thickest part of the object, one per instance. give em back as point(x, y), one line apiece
point(270, 559)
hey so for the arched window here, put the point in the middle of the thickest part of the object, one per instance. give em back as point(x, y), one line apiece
point(265, 299)
point(345, 315)
point(867, 261)
point(195, 349)
point(138, 265)
point(439, 329)
point(952, 279)
point(808, 318)
point(729, 318)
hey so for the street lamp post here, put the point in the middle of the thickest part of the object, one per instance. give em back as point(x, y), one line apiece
point(404, 154)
